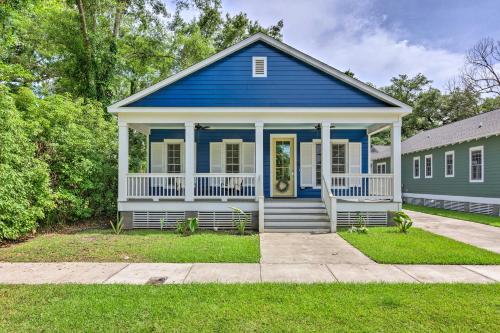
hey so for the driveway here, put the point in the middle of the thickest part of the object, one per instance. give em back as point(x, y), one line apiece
point(302, 248)
point(480, 235)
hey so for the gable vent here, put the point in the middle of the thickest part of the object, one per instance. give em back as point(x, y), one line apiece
point(259, 66)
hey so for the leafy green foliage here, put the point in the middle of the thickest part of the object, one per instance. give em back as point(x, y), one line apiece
point(360, 226)
point(403, 221)
point(117, 226)
point(25, 196)
point(241, 220)
point(188, 226)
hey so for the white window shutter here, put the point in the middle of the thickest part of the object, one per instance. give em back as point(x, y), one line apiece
point(248, 157)
point(216, 158)
point(355, 160)
point(306, 164)
point(157, 157)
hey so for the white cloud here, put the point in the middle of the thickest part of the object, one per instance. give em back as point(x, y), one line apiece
point(346, 35)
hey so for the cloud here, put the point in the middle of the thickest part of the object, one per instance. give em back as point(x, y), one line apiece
point(348, 35)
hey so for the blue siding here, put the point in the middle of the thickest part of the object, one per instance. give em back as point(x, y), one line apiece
point(308, 136)
point(204, 137)
point(289, 83)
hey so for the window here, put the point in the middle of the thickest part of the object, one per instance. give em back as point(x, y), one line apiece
point(259, 66)
point(416, 167)
point(339, 159)
point(476, 164)
point(317, 154)
point(174, 158)
point(232, 157)
point(449, 164)
point(381, 167)
point(428, 166)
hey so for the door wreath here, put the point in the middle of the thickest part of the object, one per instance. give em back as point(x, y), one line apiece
point(282, 185)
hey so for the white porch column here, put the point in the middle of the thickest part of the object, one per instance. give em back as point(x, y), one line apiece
point(122, 160)
point(189, 167)
point(259, 156)
point(326, 169)
point(396, 159)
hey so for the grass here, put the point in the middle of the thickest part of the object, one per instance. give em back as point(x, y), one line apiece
point(251, 308)
point(479, 218)
point(135, 246)
point(387, 245)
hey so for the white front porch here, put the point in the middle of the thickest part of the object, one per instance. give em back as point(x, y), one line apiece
point(187, 190)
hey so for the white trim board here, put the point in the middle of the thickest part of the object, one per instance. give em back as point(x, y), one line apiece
point(484, 200)
point(280, 46)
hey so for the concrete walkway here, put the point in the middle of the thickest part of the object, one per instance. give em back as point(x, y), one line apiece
point(306, 248)
point(106, 273)
point(477, 234)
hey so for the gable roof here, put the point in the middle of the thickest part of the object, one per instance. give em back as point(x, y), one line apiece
point(480, 126)
point(278, 45)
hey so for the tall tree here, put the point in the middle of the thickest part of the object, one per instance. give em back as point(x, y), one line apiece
point(482, 68)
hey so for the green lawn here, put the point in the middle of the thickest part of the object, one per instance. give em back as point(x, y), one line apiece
point(251, 308)
point(386, 245)
point(135, 246)
point(479, 218)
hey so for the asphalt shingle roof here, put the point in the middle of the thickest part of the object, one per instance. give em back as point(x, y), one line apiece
point(480, 126)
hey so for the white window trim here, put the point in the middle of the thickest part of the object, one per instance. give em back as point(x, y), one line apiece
point(419, 167)
point(472, 149)
point(253, 66)
point(315, 142)
point(343, 141)
point(173, 141)
point(231, 141)
point(385, 167)
point(452, 153)
point(425, 166)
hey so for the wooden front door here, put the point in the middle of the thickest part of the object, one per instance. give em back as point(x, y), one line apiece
point(283, 166)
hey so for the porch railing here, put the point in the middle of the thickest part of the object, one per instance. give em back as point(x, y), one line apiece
point(155, 185)
point(225, 185)
point(363, 186)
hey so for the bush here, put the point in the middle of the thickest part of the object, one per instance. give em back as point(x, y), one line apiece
point(360, 226)
point(403, 221)
point(241, 220)
point(24, 192)
point(187, 226)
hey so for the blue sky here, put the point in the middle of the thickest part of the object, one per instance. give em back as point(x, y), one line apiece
point(378, 39)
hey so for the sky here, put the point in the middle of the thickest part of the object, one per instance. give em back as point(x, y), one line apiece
point(379, 39)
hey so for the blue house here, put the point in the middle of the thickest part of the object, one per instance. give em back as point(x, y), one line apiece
point(263, 127)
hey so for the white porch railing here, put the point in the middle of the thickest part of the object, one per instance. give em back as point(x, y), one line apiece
point(155, 185)
point(363, 186)
point(225, 185)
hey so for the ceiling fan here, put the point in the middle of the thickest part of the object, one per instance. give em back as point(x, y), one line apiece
point(318, 126)
point(199, 126)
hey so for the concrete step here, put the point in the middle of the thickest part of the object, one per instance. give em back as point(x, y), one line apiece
point(293, 204)
point(297, 224)
point(289, 217)
point(300, 230)
point(295, 210)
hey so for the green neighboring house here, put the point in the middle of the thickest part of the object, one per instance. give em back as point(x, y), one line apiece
point(456, 166)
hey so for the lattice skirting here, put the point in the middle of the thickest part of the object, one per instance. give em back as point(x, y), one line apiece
point(346, 219)
point(207, 220)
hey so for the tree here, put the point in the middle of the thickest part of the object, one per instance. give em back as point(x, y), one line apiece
point(482, 69)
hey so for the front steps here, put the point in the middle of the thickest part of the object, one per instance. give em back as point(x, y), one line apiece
point(295, 216)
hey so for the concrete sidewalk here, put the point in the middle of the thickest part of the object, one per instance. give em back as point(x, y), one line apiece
point(105, 273)
point(480, 235)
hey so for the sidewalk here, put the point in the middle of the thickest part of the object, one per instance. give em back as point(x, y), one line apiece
point(480, 235)
point(105, 273)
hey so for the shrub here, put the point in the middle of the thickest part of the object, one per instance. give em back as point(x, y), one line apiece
point(360, 226)
point(118, 225)
point(403, 221)
point(187, 226)
point(241, 220)
point(24, 180)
